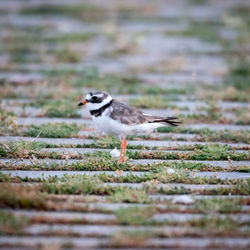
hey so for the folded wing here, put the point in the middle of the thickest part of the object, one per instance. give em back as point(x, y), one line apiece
point(130, 115)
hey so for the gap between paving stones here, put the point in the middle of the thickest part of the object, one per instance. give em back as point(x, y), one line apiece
point(178, 187)
point(91, 150)
point(106, 206)
point(222, 164)
point(43, 120)
point(149, 243)
point(103, 230)
point(86, 142)
point(46, 174)
point(111, 218)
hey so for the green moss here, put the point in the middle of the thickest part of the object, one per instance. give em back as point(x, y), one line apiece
point(131, 239)
point(134, 215)
point(235, 95)
point(21, 55)
point(12, 147)
point(84, 11)
point(8, 122)
point(53, 130)
point(225, 136)
point(216, 205)
point(9, 224)
point(213, 111)
point(212, 135)
point(203, 30)
point(68, 55)
point(160, 91)
point(163, 177)
point(198, 2)
point(240, 10)
point(207, 153)
point(239, 76)
point(149, 102)
point(78, 184)
point(130, 196)
point(102, 163)
point(90, 77)
point(215, 224)
point(61, 108)
point(245, 169)
point(70, 37)
point(240, 188)
point(21, 197)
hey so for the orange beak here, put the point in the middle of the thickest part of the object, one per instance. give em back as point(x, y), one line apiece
point(82, 103)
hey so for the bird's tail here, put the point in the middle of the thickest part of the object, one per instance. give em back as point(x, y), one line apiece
point(169, 120)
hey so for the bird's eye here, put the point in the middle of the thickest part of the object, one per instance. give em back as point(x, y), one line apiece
point(94, 98)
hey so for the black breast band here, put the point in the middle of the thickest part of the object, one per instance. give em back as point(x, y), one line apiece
point(99, 111)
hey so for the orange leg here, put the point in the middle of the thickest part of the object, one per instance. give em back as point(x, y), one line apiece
point(122, 150)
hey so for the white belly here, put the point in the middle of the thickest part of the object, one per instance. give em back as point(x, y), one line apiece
point(109, 126)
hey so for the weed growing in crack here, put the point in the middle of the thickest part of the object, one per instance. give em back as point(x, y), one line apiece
point(9, 224)
point(215, 224)
point(21, 197)
point(8, 122)
point(53, 130)
point(134, 215)
point(130, 239)
point(130, 196)
point(78, 184)
point(218, 205)
point(61, 108)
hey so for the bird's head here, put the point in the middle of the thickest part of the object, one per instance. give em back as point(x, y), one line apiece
point(95, 100)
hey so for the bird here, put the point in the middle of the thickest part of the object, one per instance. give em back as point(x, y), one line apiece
point(118, 119)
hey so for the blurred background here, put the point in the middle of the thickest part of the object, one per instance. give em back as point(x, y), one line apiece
point(55, 51)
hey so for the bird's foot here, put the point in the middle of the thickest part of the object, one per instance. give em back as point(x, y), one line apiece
point(122, 160)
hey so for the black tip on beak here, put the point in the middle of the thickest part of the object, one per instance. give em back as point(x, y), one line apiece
point(80, 104)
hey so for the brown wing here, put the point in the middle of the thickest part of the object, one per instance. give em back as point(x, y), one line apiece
point(129, 115)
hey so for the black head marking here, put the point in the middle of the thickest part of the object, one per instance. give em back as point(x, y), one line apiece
point(97, 96)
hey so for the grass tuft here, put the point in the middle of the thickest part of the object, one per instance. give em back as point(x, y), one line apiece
point(217, 205)
point(130, 196)
point(53, 130)
point(61, 108)
point(78, 184)
point(9, 224)
point(21, 197)
point(134, 215)
point(130, 239)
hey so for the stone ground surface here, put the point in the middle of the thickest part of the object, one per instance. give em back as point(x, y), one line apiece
point(180, 188)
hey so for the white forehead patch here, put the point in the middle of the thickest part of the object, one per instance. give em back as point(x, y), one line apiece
point(88, 97)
